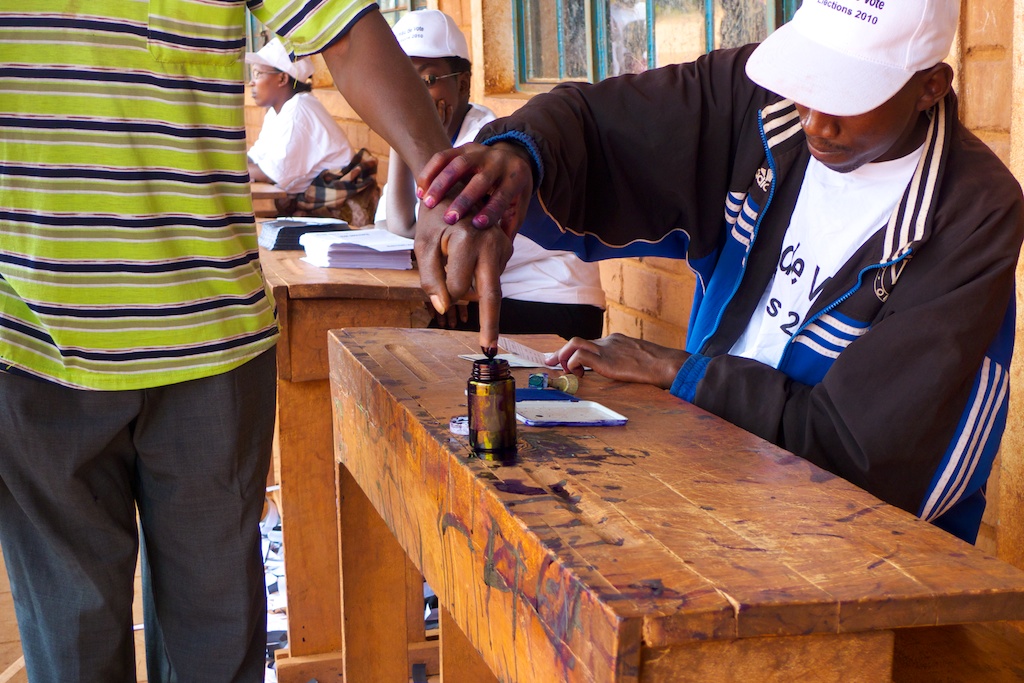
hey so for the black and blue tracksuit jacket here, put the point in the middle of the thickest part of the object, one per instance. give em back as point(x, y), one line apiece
point(897, 379)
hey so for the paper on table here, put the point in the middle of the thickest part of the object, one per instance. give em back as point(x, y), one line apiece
point(514, 361)
point(313, 220)
point(370, 248)
point(523, 351)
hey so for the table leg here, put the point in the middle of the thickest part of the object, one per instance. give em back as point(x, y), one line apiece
point(460, 662)
point(308, 517)
point(373, 586)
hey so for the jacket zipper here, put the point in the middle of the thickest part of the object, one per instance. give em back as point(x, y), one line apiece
point(753, 234)
point(835, 304)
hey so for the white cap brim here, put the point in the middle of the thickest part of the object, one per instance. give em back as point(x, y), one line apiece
point(274, 56)
point(815, 76)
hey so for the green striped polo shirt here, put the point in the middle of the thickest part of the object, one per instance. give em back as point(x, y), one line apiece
point(128, 254)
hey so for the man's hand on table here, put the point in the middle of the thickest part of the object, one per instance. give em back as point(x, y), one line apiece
point(623, 358)
point(462, 262)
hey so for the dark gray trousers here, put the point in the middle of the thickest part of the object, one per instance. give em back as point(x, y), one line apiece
point(191, 459)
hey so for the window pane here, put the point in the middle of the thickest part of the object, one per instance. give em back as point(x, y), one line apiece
point(555, 40)
point(393, 10)
point(627, 36)
point(576, 45)
point(679, 31)
point(738, 22)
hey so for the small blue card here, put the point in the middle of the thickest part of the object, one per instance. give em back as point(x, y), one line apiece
point(535, 394)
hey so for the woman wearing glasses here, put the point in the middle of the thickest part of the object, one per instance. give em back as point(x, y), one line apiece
point(299, 138)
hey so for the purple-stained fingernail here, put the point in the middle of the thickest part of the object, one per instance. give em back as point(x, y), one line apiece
point(430, 202)
point(419, 193)
point(451, 218)
point(481, 221)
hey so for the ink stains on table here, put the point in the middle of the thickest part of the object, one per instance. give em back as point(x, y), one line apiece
point(676, 547)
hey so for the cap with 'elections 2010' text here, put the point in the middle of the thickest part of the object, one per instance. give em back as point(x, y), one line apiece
point(847, 57)
point(430, 33)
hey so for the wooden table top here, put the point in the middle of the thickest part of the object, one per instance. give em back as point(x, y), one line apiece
point(674, 528)
point(285, 270)
point(266, 191)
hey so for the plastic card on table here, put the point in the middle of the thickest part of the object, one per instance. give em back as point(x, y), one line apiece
point(532, 394)
point(567, 414)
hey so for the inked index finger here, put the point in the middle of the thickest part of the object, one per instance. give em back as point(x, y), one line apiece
point(488, 287)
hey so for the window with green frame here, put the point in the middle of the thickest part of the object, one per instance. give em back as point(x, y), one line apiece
point(558, 40)
point(394, 9)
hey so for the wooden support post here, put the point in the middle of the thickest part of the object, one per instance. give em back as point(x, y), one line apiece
point(307, 515)
point(373, 571)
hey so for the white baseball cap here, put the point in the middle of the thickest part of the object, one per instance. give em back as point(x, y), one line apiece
point(431, 34)
point(274, 55)
point(848, 57)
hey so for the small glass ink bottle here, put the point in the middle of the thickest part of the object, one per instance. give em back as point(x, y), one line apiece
point(491, 392)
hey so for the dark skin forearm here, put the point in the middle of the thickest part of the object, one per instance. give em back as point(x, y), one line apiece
point(379, 82)
point(401, 199)
point(257, 175)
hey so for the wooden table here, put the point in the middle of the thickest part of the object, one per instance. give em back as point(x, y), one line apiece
point(675, 548)
point(263, 196)
point(310, 301)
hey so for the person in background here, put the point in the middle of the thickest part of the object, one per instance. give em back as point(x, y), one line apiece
point(854, 245)
point(543, 291)
point(299, 137)
point(137, 371)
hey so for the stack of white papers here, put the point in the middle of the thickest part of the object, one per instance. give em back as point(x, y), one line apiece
point(370, 248)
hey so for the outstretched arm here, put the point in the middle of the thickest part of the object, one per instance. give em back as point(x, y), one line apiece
point(401, 197)
point(365, 59)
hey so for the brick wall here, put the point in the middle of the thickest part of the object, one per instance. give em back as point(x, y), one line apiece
point(1009, 514)
point(648, 298)
point(984, 61)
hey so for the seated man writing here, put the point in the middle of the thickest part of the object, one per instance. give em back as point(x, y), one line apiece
point(543, 291)
point(854, 245)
